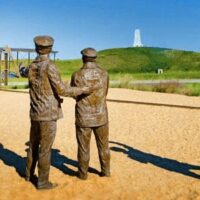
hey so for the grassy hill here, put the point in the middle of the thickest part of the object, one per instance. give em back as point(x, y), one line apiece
point(147, 59)
point(142, 63)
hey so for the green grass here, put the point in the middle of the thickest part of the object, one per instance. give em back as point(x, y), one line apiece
point(16, 87)
point(191, 89)
point(131, 77)
point(154, 76)
point(139, 63)
point(129, 64)
point(146, 59)
point(174, 87)
point(67, 67)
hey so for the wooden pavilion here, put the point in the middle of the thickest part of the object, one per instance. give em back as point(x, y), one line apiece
point(8, 57)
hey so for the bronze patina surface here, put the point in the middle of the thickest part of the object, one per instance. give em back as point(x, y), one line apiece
point(45, 89)
point(91, 113)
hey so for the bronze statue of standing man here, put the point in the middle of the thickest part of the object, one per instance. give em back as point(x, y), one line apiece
point(91, 113)
point(46, 87)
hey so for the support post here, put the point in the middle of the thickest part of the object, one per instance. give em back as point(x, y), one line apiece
point(6, 68)
point(17, 57)
point(54, 57)
point(0, 59)
point(9, 62)
point(29, 57)
point(0, 67)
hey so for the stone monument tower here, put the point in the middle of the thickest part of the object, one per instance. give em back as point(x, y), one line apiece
point(137, 39)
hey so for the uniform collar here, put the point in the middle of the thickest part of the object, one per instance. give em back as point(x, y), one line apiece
point(90, 65)
point(41, 58)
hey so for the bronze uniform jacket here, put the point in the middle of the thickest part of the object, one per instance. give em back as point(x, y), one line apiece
point(91, 110)
point(45, 88)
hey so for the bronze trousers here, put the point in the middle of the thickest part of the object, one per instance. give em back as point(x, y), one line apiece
point(83, 136)
point(42, 135)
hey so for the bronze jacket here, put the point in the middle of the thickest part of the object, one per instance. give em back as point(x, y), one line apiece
point(91, 110)
point(45, 88)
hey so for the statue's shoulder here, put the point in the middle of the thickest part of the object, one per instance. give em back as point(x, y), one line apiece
point(76, 74)
point(102, 70)
point(50, 64)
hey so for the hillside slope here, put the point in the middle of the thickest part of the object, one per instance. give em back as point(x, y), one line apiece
point(147, 59)
point(139, 60)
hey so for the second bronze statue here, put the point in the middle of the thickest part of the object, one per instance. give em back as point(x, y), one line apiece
point(91, 113)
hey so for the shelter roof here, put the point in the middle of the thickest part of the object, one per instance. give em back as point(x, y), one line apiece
point(23, 50)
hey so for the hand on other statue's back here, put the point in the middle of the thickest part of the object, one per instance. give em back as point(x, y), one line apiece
point(89, 90)
point(86, 90)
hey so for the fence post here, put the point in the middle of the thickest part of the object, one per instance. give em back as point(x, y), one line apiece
point(6, 68)
point(0, 68)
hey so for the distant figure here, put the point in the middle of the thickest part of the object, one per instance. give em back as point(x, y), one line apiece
point(91, 113)
point(46, 87)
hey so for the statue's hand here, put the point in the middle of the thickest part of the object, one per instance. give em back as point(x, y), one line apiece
point(87, 90)
point(66, 83)
point(97, 86)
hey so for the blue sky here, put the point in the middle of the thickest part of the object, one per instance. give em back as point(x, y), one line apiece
point(102, 24)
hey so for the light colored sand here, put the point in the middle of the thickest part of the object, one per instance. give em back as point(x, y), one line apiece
point(161, 152)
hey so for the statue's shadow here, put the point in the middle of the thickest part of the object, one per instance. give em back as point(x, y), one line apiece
point(62, 163)
point(59, 161)
point(12, 159)
point(165, 163)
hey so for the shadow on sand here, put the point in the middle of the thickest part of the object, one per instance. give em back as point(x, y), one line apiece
point(165, 163)
point(59, 161)
point(12, 159)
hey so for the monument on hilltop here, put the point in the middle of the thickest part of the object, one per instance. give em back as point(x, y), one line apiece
point(137, 39)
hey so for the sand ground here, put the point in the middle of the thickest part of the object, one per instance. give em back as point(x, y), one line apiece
point(155, 150)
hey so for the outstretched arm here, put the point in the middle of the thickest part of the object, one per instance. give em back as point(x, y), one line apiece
point(60, 88)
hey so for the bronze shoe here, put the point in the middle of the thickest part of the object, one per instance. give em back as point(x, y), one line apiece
point(47, 186)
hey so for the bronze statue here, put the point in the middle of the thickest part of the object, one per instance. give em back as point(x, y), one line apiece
point(45, 88)
point(91, 113)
